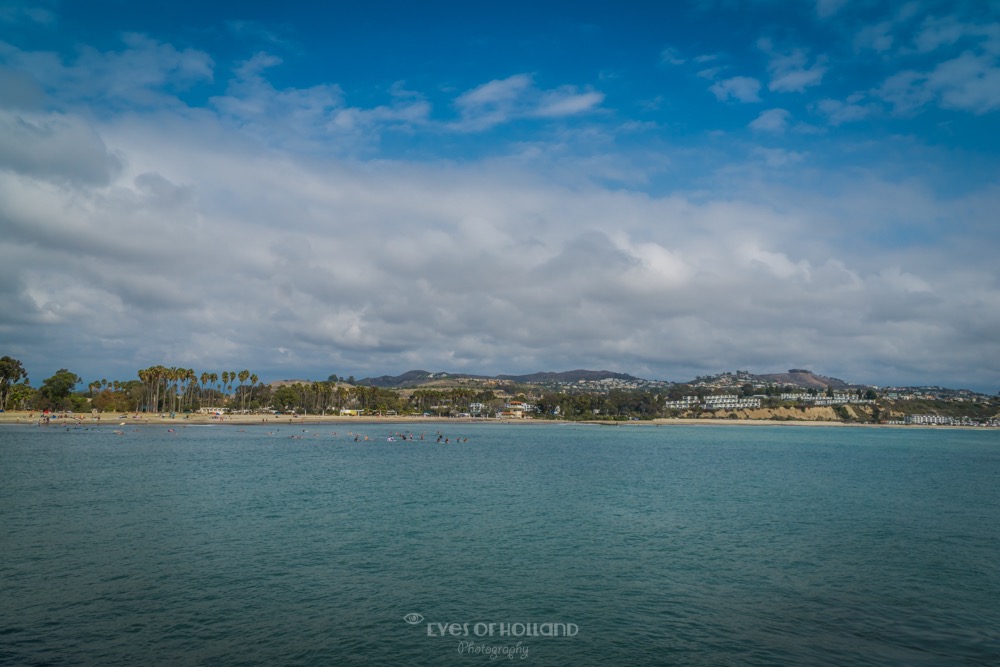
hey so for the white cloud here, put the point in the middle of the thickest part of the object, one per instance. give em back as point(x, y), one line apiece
point(791, 72)
point(213, 255)
point(777, 263)
point(827, 8)
point(307, 118)
point(54, 146)
point(848, 111)
point(778, 157)
point(19, 13)
point(145, 73)
point(902, 281)
point(887, 37)
point(566, 101)
point(250, 98)
point(772, 120)
point(936, 33)
point(670, 56)
point(968, 82)
point(905, 90)
point(496, 92)
point(502, 100)
point(240, 234)
point(953, 63)
point(742, 88)
point(876, 37)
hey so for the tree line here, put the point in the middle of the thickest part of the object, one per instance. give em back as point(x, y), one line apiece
point(157, 389)
point(163, 389)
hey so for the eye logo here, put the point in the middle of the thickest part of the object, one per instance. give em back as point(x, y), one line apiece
point(413, 619)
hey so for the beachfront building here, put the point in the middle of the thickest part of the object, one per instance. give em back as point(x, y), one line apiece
point(843, 399)
point(517, 409)
point(729, 402)
point(838, 398)
point(684, 403)
point(928, 419)
point(213, 411)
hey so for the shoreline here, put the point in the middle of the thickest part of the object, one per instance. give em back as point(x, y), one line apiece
point(29, 418)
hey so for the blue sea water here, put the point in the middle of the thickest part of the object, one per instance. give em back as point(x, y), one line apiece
point(679, 545)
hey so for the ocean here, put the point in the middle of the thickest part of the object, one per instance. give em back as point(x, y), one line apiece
point(545, 544)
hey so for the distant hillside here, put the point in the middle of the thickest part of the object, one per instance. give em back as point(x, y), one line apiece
point(567, 376)
point(287, 383)
point(417, 377)
point(409, 378)
point(802, 378)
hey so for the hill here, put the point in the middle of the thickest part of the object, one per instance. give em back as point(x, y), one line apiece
point(417, 378)
point(567, 376)
point(407, 379)
point(802, 378)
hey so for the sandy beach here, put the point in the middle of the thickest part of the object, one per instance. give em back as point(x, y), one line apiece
point(115, 419)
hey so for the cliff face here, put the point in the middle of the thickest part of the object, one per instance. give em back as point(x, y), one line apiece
point(858, 413)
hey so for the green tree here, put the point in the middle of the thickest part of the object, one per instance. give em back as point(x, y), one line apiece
point(112, 401)
point(20, 395)
point(342, 394)
point(11, 372)
point(55, 390)
point(285, 398)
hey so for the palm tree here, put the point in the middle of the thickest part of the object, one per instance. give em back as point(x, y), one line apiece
point(152, 378)
point(162, 374)
point(225, 383)
point(253, 383)
point(205, 379)
point(192, 384)
point(144, 376)
point(173, 377)
point(244, 375)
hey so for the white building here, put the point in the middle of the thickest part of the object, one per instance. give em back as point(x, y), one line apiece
point(685, 403)
point(928, 419)
point(729, 402)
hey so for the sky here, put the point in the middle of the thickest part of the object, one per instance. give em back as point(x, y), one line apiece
point(307, 189)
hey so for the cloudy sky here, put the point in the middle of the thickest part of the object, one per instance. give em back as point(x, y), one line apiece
point(368, 188)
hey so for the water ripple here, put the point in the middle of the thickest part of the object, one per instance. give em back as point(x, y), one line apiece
point(681, 546)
